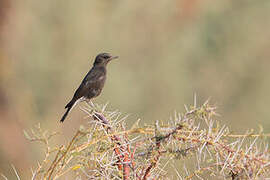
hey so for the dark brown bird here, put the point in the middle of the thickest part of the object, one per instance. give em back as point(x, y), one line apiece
point(92, 83)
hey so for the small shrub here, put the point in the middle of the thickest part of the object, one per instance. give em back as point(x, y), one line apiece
point(106, 149)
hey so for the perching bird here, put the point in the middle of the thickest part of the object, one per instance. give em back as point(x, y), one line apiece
point(93, 82)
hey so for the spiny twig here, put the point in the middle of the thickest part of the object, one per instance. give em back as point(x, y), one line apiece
point(107, 150)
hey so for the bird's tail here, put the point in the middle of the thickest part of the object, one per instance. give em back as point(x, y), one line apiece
point(68, 107)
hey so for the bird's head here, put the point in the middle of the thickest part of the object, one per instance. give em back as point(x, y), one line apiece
point(102, 59)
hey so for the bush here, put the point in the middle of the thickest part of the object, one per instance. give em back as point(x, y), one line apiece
point(106, 149)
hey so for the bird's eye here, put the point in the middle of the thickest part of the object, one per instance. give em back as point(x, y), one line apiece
point(106, 57)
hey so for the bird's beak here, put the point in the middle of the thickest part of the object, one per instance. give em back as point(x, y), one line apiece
point(113, 57)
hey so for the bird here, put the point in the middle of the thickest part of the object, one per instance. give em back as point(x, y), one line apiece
point(92, 84)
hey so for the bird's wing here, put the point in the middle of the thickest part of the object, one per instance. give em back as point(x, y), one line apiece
point(90, 82)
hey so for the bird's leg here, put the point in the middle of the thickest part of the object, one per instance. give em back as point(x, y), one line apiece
point(92, 104)
point(89, 102)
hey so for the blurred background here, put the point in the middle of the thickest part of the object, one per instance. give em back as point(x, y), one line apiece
point(169, 50)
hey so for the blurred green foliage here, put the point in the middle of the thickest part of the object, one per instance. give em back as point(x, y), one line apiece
point(169, 50)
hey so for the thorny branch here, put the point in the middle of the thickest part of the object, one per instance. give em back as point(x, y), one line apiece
point(107, 150)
